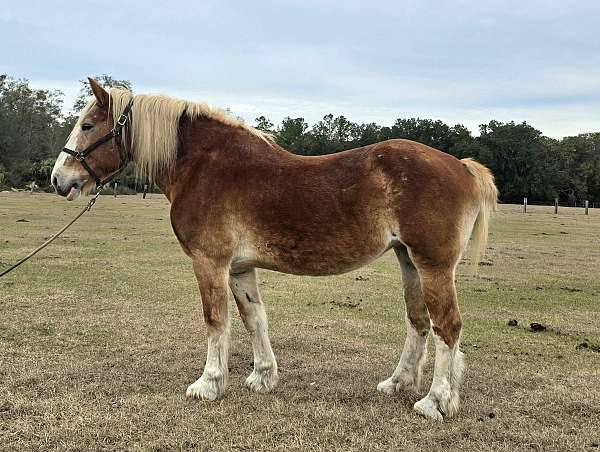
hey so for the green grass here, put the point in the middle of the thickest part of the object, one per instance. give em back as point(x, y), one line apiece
point(101, 333)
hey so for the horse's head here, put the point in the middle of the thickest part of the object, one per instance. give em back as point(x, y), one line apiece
point(69, 176)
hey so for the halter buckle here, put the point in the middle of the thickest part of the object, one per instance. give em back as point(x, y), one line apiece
point(122, 120)
point(79, 157)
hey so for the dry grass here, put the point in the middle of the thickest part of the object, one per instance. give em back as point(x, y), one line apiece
point(101, 334)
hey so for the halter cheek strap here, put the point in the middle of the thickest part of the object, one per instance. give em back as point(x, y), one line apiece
point(115, 133)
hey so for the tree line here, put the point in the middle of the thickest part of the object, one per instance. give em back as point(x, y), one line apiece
point(34, 127)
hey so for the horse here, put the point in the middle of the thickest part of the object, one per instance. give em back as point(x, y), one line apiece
point(241, 202)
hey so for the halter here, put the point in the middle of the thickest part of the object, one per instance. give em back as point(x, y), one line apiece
point(115, 133)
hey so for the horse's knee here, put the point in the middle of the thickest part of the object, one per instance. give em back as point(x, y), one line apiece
point(419, 320)
point(215, 315)
point(439, 295)
point(449, 328)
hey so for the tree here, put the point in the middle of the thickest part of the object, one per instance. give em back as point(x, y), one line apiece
point(41, 171)
point(290, 133)
point(31, 127)
point(520, 158)
point(577, 161)
point(264, 124)
point(3, 175)
point(365, 134)
point(332, 134)
point(33, 130)
point(436, 133)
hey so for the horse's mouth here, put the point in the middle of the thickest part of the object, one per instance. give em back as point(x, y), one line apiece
point(73, 193)
point(84, 187)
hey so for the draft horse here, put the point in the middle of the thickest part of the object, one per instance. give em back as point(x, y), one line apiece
point(240, 202)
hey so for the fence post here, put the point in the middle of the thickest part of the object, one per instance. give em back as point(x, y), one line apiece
point(555, 206)
point(115, 190)
point(587, 205)
point(524, 205)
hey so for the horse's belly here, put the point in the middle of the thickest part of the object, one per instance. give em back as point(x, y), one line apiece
point(319, 256)
point(317, 266)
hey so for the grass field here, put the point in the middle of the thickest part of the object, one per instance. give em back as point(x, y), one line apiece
point(101, 334)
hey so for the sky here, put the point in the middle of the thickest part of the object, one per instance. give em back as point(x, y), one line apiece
point(459, 61)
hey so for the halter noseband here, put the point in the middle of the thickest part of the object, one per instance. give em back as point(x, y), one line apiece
point(115, 133)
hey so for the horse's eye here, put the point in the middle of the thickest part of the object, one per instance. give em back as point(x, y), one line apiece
point(86, 126)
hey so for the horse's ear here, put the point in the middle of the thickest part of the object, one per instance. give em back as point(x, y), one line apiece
point(100, 93)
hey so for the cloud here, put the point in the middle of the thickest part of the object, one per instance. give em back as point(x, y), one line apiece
point(462, 61)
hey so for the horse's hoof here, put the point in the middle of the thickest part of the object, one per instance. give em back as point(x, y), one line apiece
point(429, 408)
point(204, 389)
point(262, 382)
point(390, 386)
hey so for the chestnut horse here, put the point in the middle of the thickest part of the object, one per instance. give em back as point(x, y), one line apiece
point(241, 202)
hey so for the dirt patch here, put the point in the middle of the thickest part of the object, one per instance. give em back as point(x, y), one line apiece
point(587, 346)
point(348, 303)
point(571, 289)
point(537, 327)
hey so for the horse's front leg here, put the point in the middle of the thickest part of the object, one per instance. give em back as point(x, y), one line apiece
point(252, 310)
point(212, 281)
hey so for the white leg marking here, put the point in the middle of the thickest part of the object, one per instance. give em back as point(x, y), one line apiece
point(443, 399)
point(213, 381)
point(407, 374)
point(264, 377)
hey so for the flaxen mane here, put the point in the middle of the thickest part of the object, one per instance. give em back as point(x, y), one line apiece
point(154, 126)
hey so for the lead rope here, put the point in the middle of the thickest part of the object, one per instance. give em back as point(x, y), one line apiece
point(55, 236)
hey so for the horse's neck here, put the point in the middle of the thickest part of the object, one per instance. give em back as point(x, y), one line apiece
point(205, 139)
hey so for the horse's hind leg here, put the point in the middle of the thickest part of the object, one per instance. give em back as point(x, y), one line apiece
point(439, 295)
point(252, 310)
point(407, 374)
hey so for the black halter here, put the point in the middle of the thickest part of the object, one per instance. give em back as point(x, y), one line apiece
point(117, 133)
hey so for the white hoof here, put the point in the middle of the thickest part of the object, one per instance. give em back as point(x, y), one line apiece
point(388, 386)
point(449, 405)
point(391, 386)
point(262, 381)
point(205, 388)
point(428, 407)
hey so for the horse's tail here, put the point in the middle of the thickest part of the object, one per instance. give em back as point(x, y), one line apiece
point(488, 203)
